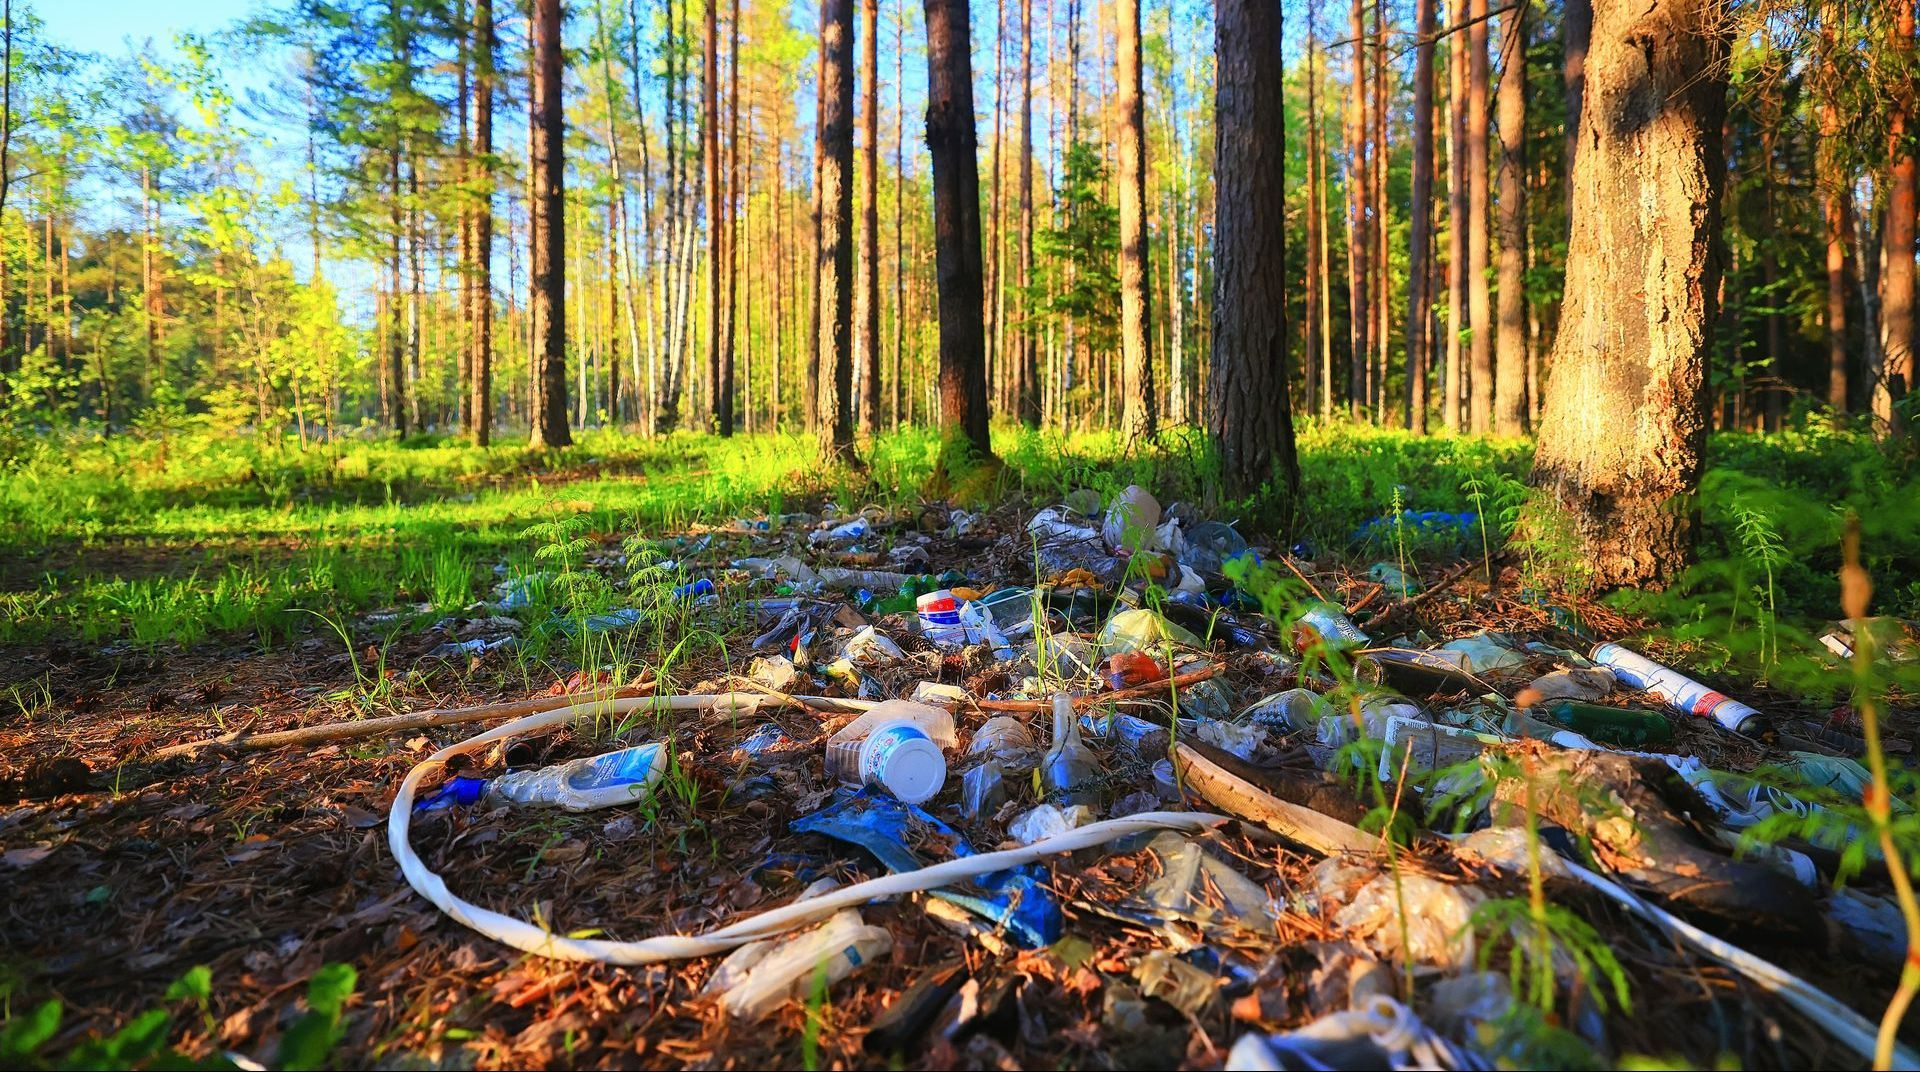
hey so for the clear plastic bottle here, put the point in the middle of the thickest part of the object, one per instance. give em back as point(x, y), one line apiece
point(1070, 765)
point(601, 781)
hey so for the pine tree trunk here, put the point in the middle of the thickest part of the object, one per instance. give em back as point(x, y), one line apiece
point(1318, 390)
point(549, 230)
point(1836, 196)
point(1359, 232)
point(1457, 379)
point(899, 200)
point(1026, 359)
point(1625, 419)
point(1382, 307)
point(1140, 417)
point(1479, 300)
point(1249, 415)
point(1420, 238)
point(1510, 375)
point(956, 223)
point(834, 260)
point(480, 338)
point(715, 212)
point(1576, 28)
point(866, 302)
point(1903, 201)
point(725, 400)
point(463, 214)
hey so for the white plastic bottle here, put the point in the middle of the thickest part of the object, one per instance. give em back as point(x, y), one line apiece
point(897, 746)
point(621, 777)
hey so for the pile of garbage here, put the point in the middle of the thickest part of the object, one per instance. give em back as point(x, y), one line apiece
point(985, 745)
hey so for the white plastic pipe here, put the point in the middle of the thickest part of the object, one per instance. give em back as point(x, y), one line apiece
point(542, 942)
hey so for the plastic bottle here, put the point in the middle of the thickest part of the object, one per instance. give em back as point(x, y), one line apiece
point(1069, 764)
point(621, 777)
point(896, 746)
point(755, 979)
point(940, 617)
point(1004, 736)
point(1330, 625)
point(1677, 690)
point(1618, 726)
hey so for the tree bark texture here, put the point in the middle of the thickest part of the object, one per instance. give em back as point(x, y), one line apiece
point(1248, 413)
point(866, 305)
point(549, 230)
point(1479, 299)
point(834, 253)
point(1510, 374)
point(1420, 236)
point(1625, 416)
point(1140, 415)
point(956, 223)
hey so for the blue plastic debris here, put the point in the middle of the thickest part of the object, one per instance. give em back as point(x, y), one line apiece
point(1016, 899)
point(457, 793)
point(1422, 521)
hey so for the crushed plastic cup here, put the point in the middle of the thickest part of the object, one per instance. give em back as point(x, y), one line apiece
point(940, 617)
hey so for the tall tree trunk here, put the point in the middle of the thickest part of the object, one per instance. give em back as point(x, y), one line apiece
point(1249, 416)
point(150, 299)
point(1318, 389)
point(1836, 196)
point(1903, 201)
point(1456, 379)
point(1420, 239)
point(1140, 417)
point(996, 220)
point(866, 300)
point(899, 199)
point(480, 339)
point(463, 213)
point(1479, 301)
point(1576, 29)
point(956, 223)
point(834, 260)
point(1510, 375)
point(1382, 307)
point(1026, 353)
point(1625, 418)
point(1359, 234)
point(549, 230)
point(724, 400)
point(416, 291)
point(396, 307)
point(1326, 247)
point(715, 211)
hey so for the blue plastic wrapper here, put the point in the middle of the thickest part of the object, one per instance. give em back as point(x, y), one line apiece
point(459, 792)
point(1462, 524)
point(1016, 899)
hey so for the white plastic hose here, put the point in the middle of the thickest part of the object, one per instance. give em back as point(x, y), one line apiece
point(542, 942)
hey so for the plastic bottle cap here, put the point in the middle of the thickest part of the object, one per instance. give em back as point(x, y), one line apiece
point(907, 763)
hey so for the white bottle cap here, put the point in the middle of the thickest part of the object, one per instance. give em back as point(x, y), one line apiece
point(902, 759)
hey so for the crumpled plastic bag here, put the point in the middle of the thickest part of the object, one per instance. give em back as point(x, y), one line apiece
point(1382, 1033)
point(1142, 630)
point(1484, 653)
point(1047, 821)
point(1594, 684)
point(1437, 917)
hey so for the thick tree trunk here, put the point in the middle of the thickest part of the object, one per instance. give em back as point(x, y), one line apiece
point(1479, 300)
point(549, 229)
point(1140, 416)
point(1420, 240)
point(1248, 413)
point(834, 257)
point(1456, 379)
point(725, 400)
point(480, 334)
point(1359, 230)
point(1510, 375)
point(1903, 200)
point(866, 303)
point(1625, 417)
point(956, 223)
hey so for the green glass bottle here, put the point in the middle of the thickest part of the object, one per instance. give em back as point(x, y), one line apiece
point(1620, 726)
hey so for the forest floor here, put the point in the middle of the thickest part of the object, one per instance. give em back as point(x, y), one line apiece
point(161, 596)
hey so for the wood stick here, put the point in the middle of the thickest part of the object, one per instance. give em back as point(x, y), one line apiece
point(410, 720)
point(1237, 796)
point(1388, 614)
point(1287, 561)
point(1154, 688)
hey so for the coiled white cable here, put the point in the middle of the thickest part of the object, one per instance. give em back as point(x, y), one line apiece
point(541, 942)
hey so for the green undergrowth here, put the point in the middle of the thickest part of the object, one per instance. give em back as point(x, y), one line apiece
point(183, 535)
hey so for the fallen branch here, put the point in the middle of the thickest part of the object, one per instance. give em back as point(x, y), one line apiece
point(1237, 796)
point(1152, 689)
point(411, 720)
point(1388, 614)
